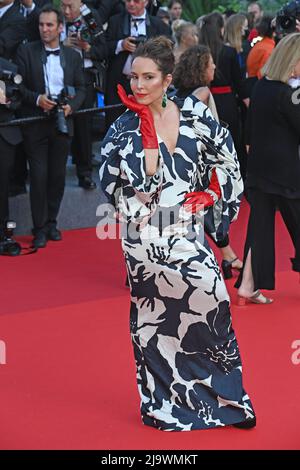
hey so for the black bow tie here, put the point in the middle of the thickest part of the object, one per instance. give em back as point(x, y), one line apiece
point(55, 52)
point(138, 20)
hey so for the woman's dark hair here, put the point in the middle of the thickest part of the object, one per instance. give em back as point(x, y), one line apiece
point(265, 27)
point(250, 18)
point(211, 34)
point(172, 2)
point(194, 61)
point(160, 50)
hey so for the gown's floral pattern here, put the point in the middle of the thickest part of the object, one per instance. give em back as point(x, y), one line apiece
point(188, 364)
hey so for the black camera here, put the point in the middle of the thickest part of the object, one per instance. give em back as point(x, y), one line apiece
point(67, 93)
point(140, 39)
point(8, 246)
point(287, 16)
point(90, 29)
point(10, 82)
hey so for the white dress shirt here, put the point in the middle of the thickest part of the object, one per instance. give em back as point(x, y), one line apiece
point(53, 75)
point(136, 29)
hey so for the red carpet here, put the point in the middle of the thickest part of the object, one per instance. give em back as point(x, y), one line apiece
point(69, 377)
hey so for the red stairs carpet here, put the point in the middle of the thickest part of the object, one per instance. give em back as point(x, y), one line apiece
point(69, 377)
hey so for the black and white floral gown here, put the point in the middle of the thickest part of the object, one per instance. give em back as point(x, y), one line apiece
point(189, 370)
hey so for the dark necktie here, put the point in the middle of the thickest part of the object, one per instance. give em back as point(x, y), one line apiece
point(54, 52)
point(136, 22)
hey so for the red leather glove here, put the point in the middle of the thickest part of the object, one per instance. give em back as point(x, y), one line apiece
point(149, 137)
point(200, 199)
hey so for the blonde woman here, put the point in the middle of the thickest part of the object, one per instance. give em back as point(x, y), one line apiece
point(186, 35)
point(273, 178)
point(236, 31)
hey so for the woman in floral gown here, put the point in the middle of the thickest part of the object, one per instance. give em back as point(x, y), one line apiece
point(168, 166)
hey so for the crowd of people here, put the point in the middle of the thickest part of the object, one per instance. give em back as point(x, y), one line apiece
point(205, 110)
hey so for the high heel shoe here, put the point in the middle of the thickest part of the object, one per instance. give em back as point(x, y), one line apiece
point(256, 298)
point(227, 268)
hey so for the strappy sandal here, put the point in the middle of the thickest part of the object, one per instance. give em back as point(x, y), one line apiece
point(256, 298)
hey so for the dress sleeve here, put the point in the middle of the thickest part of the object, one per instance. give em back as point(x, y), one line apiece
point(123, 175)
point(216, 150)
point(110, 173)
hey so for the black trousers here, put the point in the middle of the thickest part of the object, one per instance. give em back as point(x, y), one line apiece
point(81, 147)
point(261, 235)
point(47, 152)
point(7, 156)
point(20, 172)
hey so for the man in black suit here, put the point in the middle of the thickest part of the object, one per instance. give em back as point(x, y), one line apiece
point(12, 28)
point(29, 9)
point(9, 138)
point(121, 42)
point(93, 52)
point(47, 67)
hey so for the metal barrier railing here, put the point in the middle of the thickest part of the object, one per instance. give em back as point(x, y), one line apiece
point(29, 120)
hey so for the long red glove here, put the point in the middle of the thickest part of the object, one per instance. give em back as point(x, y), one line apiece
point(149, 137)
point(200, 199)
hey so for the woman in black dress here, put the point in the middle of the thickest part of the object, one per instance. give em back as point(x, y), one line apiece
point(273, 178)
point(227, 85)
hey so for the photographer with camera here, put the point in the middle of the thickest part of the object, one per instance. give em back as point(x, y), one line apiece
point(83, 32)
point(125, 31)
point(288, 18)
point(9, 138)
point(54, 86)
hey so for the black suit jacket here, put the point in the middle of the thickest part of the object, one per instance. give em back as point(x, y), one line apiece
point(119, 28)
point(12, 31)
point(30, 59)
point(274, 136)
point(11, 134)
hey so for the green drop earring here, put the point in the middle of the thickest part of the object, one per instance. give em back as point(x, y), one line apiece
point(164, 100)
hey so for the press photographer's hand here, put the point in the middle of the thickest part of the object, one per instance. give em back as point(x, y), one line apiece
point(71, 41)
point(67, 110)
point(83, 45)
point(128, 45)
point(3, 99)
point(45, 103)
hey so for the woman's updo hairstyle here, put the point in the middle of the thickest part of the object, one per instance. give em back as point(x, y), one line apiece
point(160, 50)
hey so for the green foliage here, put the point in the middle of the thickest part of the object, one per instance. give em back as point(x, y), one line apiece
point(195, 8)
point(234, 5)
